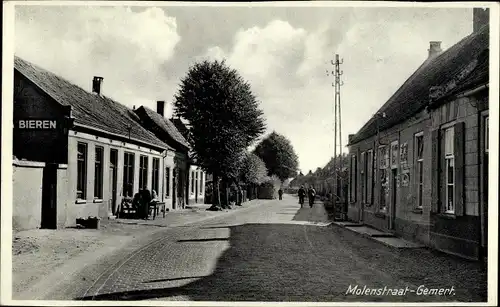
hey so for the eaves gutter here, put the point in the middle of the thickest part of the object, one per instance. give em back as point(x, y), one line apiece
point(436, 103)
point(474, 90)
point(121, 137)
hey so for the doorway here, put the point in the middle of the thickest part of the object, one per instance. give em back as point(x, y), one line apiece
point(196, 188)
point(174, 189)
point(394, 198)
point(113, 172)
point(49, 197)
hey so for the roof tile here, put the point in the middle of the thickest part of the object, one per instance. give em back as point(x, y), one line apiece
point(413, 95)
point(88, 109)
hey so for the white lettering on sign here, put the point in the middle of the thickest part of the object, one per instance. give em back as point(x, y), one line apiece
point(37, 124)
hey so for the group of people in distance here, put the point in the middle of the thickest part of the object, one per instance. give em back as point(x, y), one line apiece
point(311, 194)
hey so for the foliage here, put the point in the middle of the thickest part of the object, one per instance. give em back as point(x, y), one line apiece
point(279, 156)
point(253, 170)
point(224, 117)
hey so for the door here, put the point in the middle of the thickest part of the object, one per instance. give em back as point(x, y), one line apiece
point(196, 188)
point(113, 180)
point(49, 197)
point(174, 189)
point(394, 199)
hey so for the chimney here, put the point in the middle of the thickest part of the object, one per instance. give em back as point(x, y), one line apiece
point(480, 18)
point(160, 107)
point(434, 49)
point(350, 137)
point(97, 85)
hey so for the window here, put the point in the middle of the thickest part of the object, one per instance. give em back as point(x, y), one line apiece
point(143, 172)
point(81, 181)
point(369, 176)
point(197, 182)
point(128, 174)
point(201, 183)
point(486, 133)
point(363, 177)
point(419, 162)
point(384, 178)
point(485, 158)
point(353, 179)
point(192, 182)
point(156, 174)
point(167, 181)
point(449, 205)
point(394, 154)
point(98, 174)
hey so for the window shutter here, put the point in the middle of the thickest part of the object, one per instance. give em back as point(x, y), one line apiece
point(435, 182)
point(459, 152)
point(351, 178)
point(362, 178)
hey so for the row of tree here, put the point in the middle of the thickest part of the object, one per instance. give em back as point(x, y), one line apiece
point(224, 121)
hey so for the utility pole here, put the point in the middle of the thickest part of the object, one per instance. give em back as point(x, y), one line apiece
point(337, 122)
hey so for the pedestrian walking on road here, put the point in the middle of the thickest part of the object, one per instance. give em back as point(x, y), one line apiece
point(302, 195)
point(280, 193)
point(311, 194)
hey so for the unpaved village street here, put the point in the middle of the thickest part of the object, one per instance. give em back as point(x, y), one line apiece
point(271, 252)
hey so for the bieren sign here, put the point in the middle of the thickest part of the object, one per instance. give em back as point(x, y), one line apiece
point(36, 124)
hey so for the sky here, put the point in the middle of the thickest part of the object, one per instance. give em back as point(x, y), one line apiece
point(284, 53)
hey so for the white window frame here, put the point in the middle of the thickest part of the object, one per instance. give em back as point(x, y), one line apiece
point(418, 161)
point(98, 177)
point(449, 158)
point(81, 194)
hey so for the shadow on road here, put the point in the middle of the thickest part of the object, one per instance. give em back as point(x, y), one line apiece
point(287, 262)
point(317, 213)
point(204, 240)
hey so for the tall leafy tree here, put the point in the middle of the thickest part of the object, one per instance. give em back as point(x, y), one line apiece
point(224, 119)
point(254, 170)
point(279, 156)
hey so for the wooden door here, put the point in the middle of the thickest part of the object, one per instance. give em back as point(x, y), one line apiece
point(49, 197)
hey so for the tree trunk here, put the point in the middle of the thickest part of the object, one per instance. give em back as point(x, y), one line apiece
point(216, 205)
point(225, 194)
point(239, 195)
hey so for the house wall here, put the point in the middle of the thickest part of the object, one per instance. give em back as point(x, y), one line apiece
point(102, 207)
point(408, 222)
point(461, 234)
point(27, 179)
point(48, 145)
point(62, 195)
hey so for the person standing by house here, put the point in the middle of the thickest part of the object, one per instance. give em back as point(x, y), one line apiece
point(146, 200)
point(302, 195)
point(311, 194)
point(280, 193)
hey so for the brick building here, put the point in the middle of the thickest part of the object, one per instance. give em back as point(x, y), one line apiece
point(432, 122)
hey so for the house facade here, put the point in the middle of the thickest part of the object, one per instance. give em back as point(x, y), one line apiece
point(85, 151)
point(417, 166)
point(197, 177)
point(185, 181)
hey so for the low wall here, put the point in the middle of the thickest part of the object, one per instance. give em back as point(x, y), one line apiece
point(27, 179)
